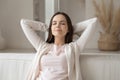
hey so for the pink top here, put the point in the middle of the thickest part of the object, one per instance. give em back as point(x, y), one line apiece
point(54, 65)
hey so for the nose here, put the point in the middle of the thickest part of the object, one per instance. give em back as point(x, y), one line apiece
point(58, 25)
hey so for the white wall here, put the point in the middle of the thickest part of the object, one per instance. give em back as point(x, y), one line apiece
point(11, 11)
point(74, 8)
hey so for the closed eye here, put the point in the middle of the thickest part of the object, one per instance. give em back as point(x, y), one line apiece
point(61, 22)
point(54, 23)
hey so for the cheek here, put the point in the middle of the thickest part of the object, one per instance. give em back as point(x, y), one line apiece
point(51, 27)
point(52, 31)
point(65, 30)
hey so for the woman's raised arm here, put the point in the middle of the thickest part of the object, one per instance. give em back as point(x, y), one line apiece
point(88, 28)
point(29, 28)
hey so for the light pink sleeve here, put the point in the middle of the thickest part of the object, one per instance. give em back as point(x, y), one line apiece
point(88, 28)
point(29, 28)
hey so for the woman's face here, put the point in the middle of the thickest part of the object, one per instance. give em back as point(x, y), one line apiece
point(59, 26)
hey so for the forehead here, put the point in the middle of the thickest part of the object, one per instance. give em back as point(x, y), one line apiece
point(59, 17)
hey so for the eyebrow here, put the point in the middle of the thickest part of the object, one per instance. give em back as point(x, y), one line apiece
point(60, 21)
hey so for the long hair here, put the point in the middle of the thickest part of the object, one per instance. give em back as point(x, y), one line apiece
point(69, 35)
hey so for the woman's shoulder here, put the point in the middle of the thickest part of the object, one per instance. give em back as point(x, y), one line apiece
point(45, 45)
point(73, 45)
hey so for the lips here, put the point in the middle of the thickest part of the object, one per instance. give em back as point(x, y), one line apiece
point(58, 29)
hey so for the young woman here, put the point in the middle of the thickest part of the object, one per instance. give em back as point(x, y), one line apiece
point(58, 57)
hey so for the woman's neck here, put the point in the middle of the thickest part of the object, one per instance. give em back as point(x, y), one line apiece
point(59, 41)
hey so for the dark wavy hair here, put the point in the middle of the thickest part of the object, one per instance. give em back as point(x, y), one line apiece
point(69, 35)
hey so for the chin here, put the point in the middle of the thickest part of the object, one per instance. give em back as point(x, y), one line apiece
point(58, 35)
